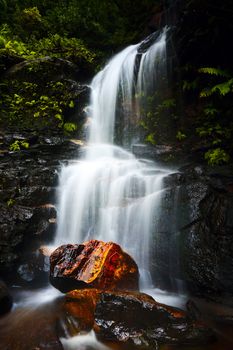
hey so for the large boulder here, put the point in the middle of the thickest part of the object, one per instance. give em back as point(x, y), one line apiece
point(93, 264)
point(131, 318)
point(137, 319)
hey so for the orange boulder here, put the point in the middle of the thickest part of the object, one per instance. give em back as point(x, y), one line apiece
point(93, 264)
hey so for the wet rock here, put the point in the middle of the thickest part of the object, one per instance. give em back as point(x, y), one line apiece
point(148, 41)
point(93, 264)
point(137, 319)
point(6, 300)
point(193, 310)
point(28, 179)
point(193, 243)
point(34, 268)
point(134, 319)
point(21, 228)
point(80, 305)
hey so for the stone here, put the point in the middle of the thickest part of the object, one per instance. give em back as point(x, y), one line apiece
point(131, 318)
point(28, 179)
point(137, 319)
point(80, 304)
point(6, 300)
point(93, 264)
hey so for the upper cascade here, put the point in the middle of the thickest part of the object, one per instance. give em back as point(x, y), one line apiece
point(118, 87)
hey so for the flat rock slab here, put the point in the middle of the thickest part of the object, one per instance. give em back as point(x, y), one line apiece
point(93, 264)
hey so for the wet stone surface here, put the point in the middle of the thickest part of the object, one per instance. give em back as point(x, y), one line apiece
point(93, 264)
point(28, 180)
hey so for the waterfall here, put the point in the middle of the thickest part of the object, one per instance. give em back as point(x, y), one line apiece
point(108, 194)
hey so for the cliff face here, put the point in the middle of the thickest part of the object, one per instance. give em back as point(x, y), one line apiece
point(195, 243)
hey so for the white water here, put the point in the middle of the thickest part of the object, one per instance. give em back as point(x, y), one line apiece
point(83, 342)
point(109, 194)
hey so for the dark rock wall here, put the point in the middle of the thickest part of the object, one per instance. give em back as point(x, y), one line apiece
point(194, 247)
point(28, 180)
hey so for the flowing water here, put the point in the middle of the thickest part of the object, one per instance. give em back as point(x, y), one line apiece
point(109, 194)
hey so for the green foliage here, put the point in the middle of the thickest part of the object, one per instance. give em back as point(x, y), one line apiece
point(154, 115)
point(213, 124)
point(30, 17)
point(214, 71)
point(30, 107)
point(18, 144)
point(10, 202)
point(180, 135)
point(2, 42)
point(58, 46)
point(69, 127)
point(217, 156)
point(221, 88)
point(151, 139)
point(210, 110)
point(100, 24)
point(189, 85)
point(83, 32)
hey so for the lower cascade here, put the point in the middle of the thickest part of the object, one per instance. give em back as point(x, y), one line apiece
point(109, 194)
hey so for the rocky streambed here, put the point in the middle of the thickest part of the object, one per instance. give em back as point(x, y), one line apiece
point(110, 312)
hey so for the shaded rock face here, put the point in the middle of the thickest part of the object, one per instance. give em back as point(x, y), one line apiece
point(138, 319)
point(6, 300)
point(28, 180)
point(194, 243)
point(93, 264)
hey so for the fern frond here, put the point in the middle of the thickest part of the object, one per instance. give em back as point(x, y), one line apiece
point(214, 71)
point(206, 93)
point(223, 88)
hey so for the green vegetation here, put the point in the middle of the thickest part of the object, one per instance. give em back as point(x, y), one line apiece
point(18, 144)
point(212, 90)
point(46, 45)
point(206, 78)
point(38, 38)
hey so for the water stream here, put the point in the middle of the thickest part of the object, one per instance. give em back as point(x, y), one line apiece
point(108, 194)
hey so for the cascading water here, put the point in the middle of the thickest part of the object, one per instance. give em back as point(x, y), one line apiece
point(109, 194)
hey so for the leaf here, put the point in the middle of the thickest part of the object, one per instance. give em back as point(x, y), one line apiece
point(217, 156)
point(150, 139)
point(71, 104)
point(206, 93)
point(69, 127)
point(58, 116)
point(180, 136)
point(214, 71)
point(223, 88)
